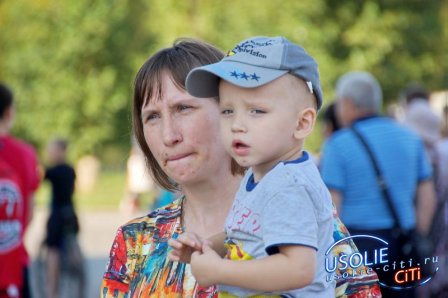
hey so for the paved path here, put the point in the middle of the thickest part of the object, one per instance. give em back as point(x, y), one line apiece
point(97, 233)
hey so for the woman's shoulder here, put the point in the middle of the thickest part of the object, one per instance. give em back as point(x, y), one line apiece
point(163, 216)
point(135, 238)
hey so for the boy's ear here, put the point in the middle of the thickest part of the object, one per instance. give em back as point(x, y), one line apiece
point(305, 123)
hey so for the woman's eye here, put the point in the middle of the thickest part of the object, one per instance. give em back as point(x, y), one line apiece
point(226, 112)
point(183, 107)
point(151, 117)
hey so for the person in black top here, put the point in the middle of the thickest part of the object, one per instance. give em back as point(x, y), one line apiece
point(62, 222)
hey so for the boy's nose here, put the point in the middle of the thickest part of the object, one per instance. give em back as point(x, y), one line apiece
point(238, 125)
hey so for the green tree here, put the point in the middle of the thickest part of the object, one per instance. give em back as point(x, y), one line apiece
point(71, 67)
point(72, 63)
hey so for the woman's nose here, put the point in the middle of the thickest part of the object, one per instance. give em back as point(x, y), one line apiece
point(171, 133)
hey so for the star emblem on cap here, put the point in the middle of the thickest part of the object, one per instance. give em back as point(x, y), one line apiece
point(230, 53)
point(234, 74)
point(254, 77)
point(244, 76)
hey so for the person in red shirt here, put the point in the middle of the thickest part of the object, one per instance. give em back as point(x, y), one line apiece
point(21, 158)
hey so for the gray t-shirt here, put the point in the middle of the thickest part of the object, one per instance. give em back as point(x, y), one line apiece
point(290, 205)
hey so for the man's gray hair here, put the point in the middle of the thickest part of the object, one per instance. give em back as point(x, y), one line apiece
point(362, 88)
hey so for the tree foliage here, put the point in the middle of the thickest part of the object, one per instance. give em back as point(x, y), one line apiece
point(72, 63)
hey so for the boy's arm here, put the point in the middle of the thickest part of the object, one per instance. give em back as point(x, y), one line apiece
point(293, 267)
point(189, 242)
point(291, 225)
point(216, 242)
point(184, 246)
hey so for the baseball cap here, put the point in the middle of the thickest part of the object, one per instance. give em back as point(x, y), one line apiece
point(254, 62)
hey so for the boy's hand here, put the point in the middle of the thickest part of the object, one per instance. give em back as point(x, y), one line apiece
point(184, 246)
point(204, 266)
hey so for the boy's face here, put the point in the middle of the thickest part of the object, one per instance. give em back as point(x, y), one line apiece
point(259, 126)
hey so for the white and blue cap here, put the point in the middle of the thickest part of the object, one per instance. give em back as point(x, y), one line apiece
point(253, 63)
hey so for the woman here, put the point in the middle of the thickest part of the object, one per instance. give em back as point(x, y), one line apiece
point(179, 135)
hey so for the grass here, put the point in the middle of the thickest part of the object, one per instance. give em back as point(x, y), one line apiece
point(107, 193)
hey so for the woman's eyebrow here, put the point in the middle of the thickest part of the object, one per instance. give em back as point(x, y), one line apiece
point(148, 110)
point(183, 100)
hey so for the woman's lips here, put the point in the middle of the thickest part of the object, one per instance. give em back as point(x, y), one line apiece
point(240, 148)
point(176, 157)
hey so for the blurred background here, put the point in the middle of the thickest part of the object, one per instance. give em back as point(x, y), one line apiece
point(71, 66)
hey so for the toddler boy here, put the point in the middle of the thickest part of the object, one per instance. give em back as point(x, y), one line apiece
point(281, 221)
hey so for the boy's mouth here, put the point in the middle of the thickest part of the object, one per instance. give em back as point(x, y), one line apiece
point(240, 148)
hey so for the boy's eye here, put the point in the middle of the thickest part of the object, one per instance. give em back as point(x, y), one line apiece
point(257, 111)
point(226, 111)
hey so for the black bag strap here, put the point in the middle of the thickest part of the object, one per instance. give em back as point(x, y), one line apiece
point(379, 178)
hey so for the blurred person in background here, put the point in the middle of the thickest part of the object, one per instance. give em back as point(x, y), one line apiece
point(138, 181)
point(330, 121)
point(413, 93)
point(179, 136)
point(330, 125)
point(427, 124)
point(21, 160)
point(62, 225)
point(348, 170)
point(163, 198)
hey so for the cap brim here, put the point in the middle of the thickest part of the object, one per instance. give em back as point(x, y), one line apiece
point(204, 81)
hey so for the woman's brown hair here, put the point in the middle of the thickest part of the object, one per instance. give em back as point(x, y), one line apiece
point(176, 61)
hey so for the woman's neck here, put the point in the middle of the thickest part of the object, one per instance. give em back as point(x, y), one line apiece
point(207, 204)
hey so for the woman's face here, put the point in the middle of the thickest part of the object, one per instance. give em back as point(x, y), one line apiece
point(182, 133)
